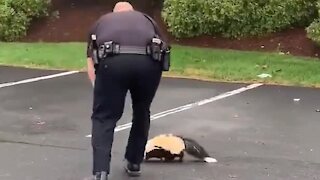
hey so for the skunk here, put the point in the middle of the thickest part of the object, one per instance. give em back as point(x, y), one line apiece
point(168, 146)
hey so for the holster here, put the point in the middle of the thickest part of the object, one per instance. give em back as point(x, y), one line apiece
point(166, 59)
point(108, 49)
point(161, 53)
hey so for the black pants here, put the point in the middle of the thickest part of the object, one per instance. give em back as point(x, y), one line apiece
point(115, 76)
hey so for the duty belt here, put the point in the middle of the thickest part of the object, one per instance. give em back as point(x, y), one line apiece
point(154, 50)
point(110, 48)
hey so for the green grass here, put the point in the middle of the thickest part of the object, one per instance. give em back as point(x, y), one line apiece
point(44, 55)
point(200, 63)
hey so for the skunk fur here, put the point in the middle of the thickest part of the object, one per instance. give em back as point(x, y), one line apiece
point(168, 146)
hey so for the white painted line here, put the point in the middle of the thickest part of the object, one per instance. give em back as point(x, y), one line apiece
point(189, 106)
point(37, 79)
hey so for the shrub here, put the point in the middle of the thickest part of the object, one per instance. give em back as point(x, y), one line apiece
point(313, 31)
point(32, 8)
point(16, 16)
point(235, 18)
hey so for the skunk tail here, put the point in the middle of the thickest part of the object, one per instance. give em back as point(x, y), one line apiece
point(196, 150)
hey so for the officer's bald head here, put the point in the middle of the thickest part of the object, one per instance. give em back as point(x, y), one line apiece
point(122, 6)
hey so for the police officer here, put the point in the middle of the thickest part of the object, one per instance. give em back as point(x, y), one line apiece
point(125, 53)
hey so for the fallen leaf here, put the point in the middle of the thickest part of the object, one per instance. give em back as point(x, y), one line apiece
point(232, 176)
point(296, 100)
point(264, 75)
point(41, 123)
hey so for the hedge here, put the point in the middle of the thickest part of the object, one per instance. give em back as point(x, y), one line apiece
point(235, 18)
point(313, 31)
point(16, 16)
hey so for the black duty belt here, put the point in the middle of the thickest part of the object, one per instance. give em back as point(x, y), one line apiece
point(110, 48)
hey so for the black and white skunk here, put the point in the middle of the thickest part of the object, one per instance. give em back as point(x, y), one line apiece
point(168, 146)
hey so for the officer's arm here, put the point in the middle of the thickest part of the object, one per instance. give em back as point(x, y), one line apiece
point(90, 64)
point(91, 71)
point(160, 31)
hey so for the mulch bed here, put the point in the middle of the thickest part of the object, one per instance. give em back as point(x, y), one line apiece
point(76, 16)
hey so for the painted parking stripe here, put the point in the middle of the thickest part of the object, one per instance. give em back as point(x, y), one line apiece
point(191, 105)
point(3, 85)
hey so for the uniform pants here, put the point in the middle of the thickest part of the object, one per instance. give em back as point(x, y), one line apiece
point(115, 76)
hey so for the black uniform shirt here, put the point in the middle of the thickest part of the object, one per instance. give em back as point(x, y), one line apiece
point(130, 28)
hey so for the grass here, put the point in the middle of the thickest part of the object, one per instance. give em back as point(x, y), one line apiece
point(66, 56)
point(199, 63)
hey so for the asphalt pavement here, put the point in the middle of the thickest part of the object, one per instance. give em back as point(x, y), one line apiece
point(267, 132)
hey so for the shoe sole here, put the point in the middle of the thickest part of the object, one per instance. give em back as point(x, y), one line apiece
point(132, 173)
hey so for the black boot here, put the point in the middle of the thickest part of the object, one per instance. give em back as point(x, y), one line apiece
point(132, 169)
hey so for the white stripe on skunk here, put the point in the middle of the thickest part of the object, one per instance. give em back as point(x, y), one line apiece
point(168, 146)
